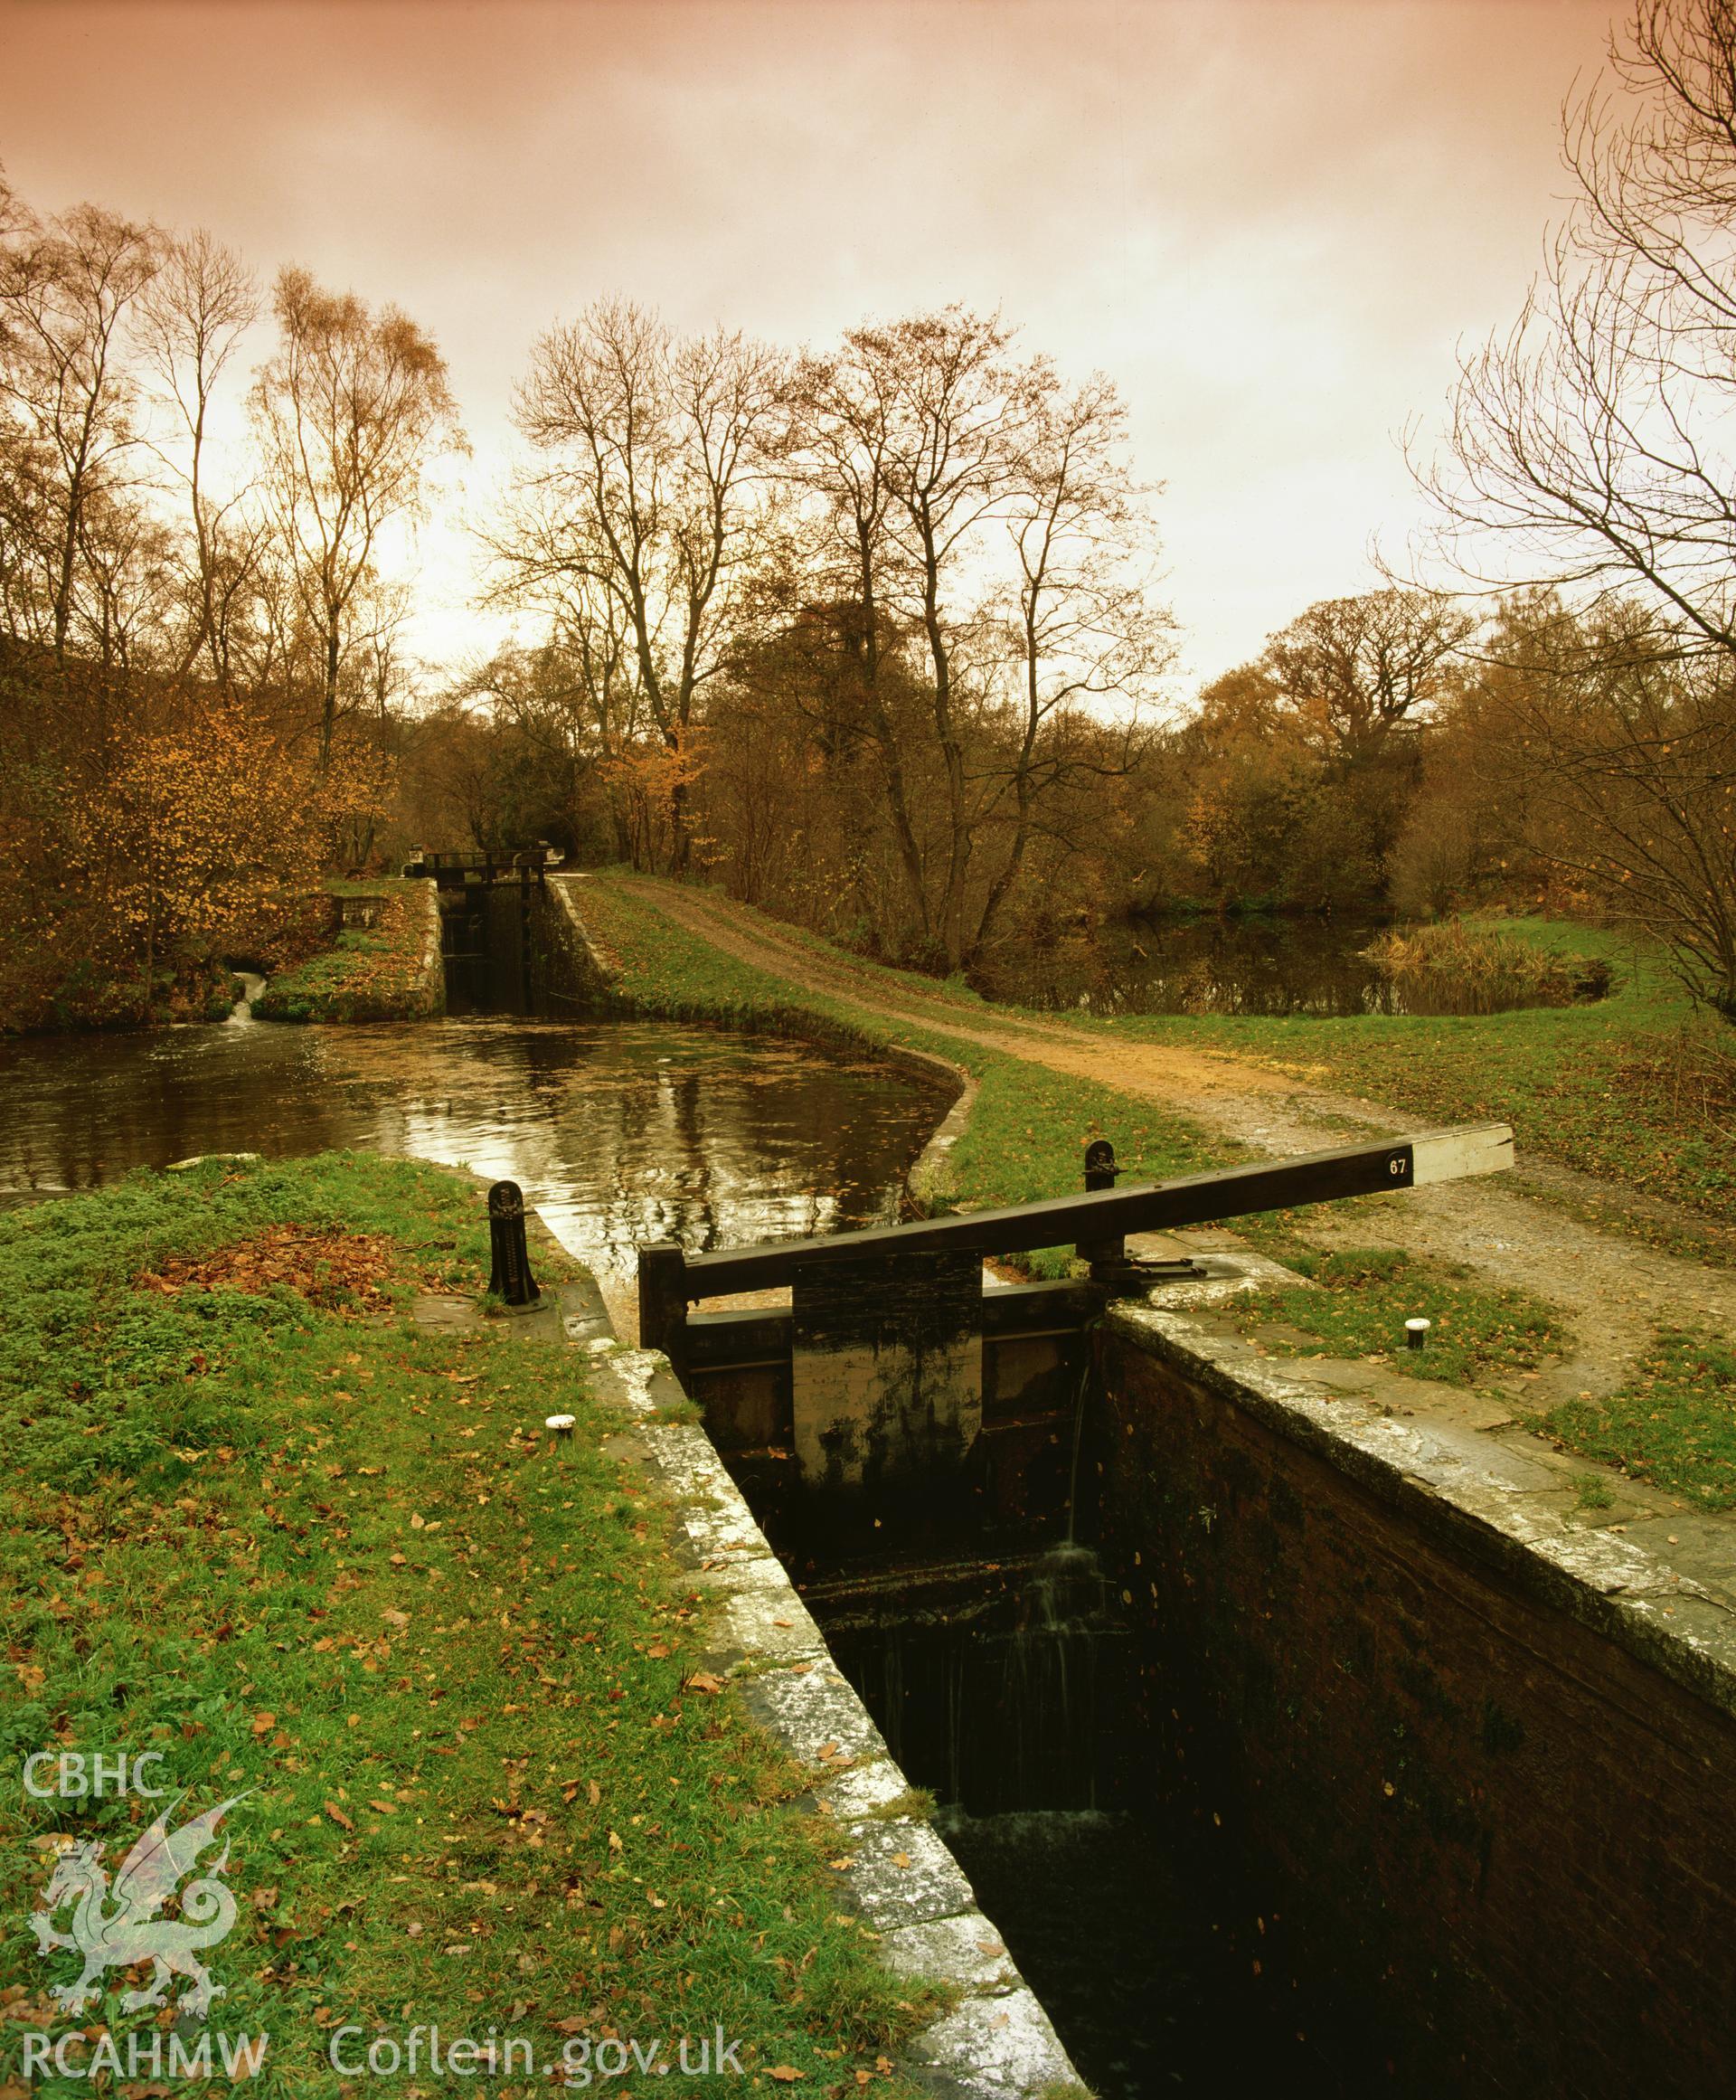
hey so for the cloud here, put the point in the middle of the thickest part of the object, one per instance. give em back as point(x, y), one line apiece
point(1268, 220)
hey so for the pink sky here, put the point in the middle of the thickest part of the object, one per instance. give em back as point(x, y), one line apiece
point(1269, 220)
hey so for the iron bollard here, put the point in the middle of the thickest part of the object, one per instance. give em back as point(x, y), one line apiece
point(1100, 1172)
point(510, 1279)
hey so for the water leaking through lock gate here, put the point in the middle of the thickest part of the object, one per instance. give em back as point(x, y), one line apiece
point(1001, 1661)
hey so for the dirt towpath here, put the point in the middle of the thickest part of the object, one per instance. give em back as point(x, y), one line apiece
point(1613, 1290)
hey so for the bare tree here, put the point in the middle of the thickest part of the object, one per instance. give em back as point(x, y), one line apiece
point(351, 412)
point(957, 414)
point(1353, 670)
point(1087, 630)
point(68, 288)
point(838, 456)
point(641, 518)
point(904, 581)
point(1591, 445)
point(193, 317)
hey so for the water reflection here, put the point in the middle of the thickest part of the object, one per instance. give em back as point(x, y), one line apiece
point(1256, 965)
point(621, 1131)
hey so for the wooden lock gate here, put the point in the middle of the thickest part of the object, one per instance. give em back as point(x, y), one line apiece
point(894, 1365)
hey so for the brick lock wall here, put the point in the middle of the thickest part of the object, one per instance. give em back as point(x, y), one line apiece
point(1480, 1840)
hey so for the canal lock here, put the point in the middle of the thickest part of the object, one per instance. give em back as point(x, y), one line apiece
point(1006, 1656)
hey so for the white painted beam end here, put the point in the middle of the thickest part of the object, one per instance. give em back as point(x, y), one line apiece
point(1451, 1155)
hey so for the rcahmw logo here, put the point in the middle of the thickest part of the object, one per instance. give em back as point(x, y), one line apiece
point(150, 2055)
point(115, 1925)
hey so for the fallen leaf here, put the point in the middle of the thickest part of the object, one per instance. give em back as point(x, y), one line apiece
point(784, 2073)
point(337, 1815)
point(263, 1724)
point(703, 1681)
point(901, 1858)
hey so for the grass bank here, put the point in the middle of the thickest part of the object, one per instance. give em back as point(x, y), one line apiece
point(1636, 1088)
point(1674, 1424)
point(323, 1562)
point(1630, 1088)
point(1025, 1139)
point(389, 971)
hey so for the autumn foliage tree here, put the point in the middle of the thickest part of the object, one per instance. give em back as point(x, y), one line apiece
point(201, 835)
point(636, 523)
point(198, 659)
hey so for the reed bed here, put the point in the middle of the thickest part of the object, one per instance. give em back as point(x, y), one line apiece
point(1454, 968)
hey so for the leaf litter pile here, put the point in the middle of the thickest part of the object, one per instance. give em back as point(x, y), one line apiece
point(327, 1265)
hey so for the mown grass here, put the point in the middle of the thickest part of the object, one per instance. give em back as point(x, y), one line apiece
point(1672, 1424)
point(368, 973)
point(1363, 1296)
point(324, 1559)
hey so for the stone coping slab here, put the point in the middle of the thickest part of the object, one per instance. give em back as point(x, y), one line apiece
point(894, 1871)
point(1487, 1500)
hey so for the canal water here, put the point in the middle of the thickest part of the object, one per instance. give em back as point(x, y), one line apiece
point(622, 1131)
point(1245, 965)
point(1253, 963)
point(1018, 1693)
